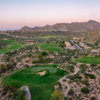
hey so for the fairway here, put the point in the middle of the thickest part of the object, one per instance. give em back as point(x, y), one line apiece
point(48, 36)
point(41, 87)
point(50, 47)
point(89, 60)
point(11, 46)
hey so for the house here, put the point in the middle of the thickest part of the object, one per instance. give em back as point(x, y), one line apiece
point(28, 41)
point(81, 44)
point(69, 46)
point(95, 51)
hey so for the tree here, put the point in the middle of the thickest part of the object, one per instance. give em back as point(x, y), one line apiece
point(20, 95)
point(44, 53)
point(85, 90)
point(70, 92)
point(85, 81)
point(93, 98)
point(90, 76)
point(67, 98)
point(56, 95)
point(62, 44)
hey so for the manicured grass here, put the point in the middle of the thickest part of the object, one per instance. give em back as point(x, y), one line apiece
point(11, 46)
point(50, 47)
point(41, 87)
point(48, 36)
point(89, 60)
point(51, 69)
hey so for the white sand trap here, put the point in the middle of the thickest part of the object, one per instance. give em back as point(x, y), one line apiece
point(42, 73)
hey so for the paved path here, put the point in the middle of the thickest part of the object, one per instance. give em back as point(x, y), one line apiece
point(76, 46)
point(25, 88)
point(66, 84)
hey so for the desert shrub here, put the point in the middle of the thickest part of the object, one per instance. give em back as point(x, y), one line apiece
point(85, 90)
point(70, 92)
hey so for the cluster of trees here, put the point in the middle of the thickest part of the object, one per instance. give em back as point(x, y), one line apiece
point(88, 75)
point(14, 93)
point(85, 81)
point(3, 44)
point(75, 78)
point(6, 67)
point(83, 68)
point(57, 95)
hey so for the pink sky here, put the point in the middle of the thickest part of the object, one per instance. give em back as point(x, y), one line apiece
point(17, 13)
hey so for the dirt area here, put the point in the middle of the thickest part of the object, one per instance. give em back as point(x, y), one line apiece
point(42, 73)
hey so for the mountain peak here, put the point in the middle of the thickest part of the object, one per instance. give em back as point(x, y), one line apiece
point(92, 21)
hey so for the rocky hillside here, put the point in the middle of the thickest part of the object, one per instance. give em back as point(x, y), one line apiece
point(92, 36)
point(73, 27)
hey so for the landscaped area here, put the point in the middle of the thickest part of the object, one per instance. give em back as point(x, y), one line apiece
point(89, 60)
point(41, 87)
point(12, 45)
point(50, 47)
point(48, 36)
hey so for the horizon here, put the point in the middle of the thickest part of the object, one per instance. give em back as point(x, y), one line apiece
point(18, 13)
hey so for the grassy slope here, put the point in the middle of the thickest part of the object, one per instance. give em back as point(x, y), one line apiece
point(50, 47)
point(89, 60)
point(41, 87)
point(48, 36)
point(12, 46)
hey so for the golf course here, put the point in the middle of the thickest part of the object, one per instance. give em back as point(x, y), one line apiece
point(89, 60)
point(41, 85)
point(12, 45)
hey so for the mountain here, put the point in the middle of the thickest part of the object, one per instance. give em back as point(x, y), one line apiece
point(26, 28)
point(92, 36)
point(73, 27)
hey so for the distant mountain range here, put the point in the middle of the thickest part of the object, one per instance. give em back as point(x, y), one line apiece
point(73, 27)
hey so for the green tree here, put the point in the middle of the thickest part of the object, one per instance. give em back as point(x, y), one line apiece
point(85, 81)
point(20, 95)
point(56, 95)
point(93, 98)
point(62, 44)
point(70, 92)
point(44, 53)
point(67, 98)
point(85, 90)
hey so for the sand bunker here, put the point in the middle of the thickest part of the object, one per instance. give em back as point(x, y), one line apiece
point(42, 73)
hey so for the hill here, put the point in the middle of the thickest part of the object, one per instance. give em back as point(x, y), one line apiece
point(73, 27)
point(92, 36)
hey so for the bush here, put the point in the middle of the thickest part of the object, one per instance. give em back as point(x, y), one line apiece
point(57, 95)
point(93, 65)
point(44, 53)
point(90, 75)
point(67, 98)
point(19, 95)
point(85, 81)
point(85, 90)
point(93, 98)
point(70, 92)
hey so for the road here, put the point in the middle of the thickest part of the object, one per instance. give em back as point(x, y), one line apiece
point(25, 88)
point(65, 83)
point(76, 46)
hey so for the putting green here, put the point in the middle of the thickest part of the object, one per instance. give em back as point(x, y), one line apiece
point(51, 69)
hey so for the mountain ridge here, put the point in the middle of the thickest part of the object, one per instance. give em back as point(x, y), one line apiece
point(74, 27)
